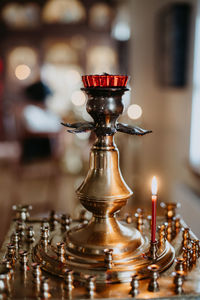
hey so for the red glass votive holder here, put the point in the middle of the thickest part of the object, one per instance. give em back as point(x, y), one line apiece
point(92, 81)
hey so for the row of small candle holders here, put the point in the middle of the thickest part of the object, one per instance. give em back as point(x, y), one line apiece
point(168, 230)
point(61, 253)
point(65, 221)
point(47, 225)
point(41, 283)
point(190, 253)
point(42, 287)
point(172, 224)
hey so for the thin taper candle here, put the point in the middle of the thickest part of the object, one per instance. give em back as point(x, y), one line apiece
point(154, 203)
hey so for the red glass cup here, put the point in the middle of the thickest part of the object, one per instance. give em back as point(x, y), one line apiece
point(104, 81)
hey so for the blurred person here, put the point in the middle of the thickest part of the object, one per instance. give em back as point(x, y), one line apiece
point(39, 126)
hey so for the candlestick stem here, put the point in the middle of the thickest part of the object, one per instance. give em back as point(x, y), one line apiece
point(153, 250)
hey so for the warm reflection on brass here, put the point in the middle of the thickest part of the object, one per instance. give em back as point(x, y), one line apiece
point(153, 284)
point(61, 251)
point(23, 258)
point(162, 235)
point(179, 264)
point(186, 237)
point(178, 282)
point(153, 250)
point(139, 219)
point(44, 290)
point(103, 256)
point(170, 209)
point(68, 280)
point(65, 222)
point(177, 224)
point(105, 246)
point(36, 273)
point(134, 286)
point(90, 285)
point(22, 212)
point(4, 288)
point(104, 191)
point(129, 219)
point(77, 280)
point(108, 258)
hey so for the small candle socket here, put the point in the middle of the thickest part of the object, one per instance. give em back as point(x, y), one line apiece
point(162, 235)
point(37, 273)
point(178, 282)
point(61, 251)
point(187, 257)
point(194, 252)
point(44, 237)
point(139, 219)
point(68, 280)
point(45, 224)
point(11, 253)
point(52, 220)
point(44, 289)
point(65, 222)
point(91, 286)
point(108, 258)
point(4, 288)
point(22, 212)
point(177, 224)
point(129, 219)
point(134, 286)
point(170, 209)
point(30, 234)
point(186, 237)
point(197, 247)
point(153, 249)
point(15, 238)
point(23, 258)
point(153, 284)
point(169, 230)
point(179, 264)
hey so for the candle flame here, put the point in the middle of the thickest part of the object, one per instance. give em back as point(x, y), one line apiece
point(154, 186)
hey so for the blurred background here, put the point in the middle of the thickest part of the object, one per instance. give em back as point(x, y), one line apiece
point(45, 47)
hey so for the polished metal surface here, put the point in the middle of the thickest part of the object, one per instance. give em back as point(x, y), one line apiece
point(103, 193)
point(113, 269)
point(30, 283)
point(105, 256)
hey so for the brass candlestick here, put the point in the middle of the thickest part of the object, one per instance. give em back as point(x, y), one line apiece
point(105, 246)
point(104, 191)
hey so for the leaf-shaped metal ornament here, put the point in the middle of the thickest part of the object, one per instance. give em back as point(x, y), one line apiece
point(79, 127)
point(133, 130)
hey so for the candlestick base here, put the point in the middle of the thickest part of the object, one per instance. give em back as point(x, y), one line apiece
point(121, 268)
point(153, 250)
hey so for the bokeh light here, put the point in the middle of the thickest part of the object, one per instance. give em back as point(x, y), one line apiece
point(121, 31)
point(22, 72)
point(101, 59)
point(74, 76)
point(60, 53)
point(22, 55)
point(134, 111)
point(78, 98)
point(100, 15)
point(63, 11)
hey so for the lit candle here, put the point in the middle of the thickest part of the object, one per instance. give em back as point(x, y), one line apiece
point(154, 201)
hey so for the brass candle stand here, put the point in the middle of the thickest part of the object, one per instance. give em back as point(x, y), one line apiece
point(106, 256)
point(105, 243)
